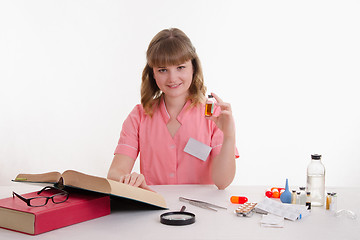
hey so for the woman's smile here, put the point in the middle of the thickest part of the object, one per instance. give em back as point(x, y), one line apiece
point(174, 85)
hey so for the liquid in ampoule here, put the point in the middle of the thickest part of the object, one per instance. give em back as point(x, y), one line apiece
point(293, 197)
point(328, 201)
point(308, 200)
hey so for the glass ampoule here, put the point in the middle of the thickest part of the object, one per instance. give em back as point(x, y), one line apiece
point(328, 201)
point(293, 197)
point(308, 200)
point(209, 106)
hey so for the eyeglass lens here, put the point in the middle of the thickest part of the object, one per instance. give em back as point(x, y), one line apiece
point(41, 201)
point(38, 201)
point(59, 198)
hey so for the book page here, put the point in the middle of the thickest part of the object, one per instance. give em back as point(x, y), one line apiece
point(50, 177)
point(103, 185)
point(88, 182)
point(136, 193)
point(17, 220)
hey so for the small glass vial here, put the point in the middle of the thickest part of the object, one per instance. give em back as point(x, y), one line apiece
point(328, 201)
point(298, 198)
point(209, 106)
point(293, 197)
point(333, 204)
point(308, 200)
point(302, 196)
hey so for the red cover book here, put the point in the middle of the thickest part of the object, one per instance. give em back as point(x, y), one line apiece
point(16, 215)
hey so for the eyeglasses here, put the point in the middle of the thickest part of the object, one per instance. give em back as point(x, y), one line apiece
point(40, 201)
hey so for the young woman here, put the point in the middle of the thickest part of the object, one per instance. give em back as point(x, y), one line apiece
point(176, 142)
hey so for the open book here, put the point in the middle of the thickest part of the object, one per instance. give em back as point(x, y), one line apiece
point(74, 179)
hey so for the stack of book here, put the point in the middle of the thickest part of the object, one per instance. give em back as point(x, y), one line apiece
point(89, 198)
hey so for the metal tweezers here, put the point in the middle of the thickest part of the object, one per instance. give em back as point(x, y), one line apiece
point(201, 204)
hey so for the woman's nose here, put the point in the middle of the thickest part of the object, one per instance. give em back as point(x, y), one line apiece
point(172, 76)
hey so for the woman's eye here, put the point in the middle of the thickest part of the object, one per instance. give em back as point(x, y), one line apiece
point(162, 70)
point(181, 67)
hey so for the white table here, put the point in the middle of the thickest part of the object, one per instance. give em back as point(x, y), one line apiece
point(224, 224)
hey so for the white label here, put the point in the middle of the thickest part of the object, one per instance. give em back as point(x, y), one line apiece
point(197, 149)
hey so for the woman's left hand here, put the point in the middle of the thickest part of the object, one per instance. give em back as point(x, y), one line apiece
point(224, 121)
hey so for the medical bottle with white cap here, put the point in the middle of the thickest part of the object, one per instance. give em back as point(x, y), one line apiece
point(316, 181)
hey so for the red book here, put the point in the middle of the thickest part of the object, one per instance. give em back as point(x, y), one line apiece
point(16, 215)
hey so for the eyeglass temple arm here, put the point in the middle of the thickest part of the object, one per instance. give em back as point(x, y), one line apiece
point(44, 189)
point(22, 198)
point(49, 187)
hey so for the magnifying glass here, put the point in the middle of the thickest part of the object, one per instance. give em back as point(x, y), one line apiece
point(177, 218)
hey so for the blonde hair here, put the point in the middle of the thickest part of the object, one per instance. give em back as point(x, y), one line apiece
point(170, 47)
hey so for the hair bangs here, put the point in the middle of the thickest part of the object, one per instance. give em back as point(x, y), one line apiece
point(170, 52)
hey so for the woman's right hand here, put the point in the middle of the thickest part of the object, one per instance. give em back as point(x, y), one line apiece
point(135, 179)
point(120, 171)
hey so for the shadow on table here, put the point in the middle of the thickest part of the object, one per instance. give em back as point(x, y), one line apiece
point(124, 204)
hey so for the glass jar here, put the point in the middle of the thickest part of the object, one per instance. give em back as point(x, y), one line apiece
point(316, 180)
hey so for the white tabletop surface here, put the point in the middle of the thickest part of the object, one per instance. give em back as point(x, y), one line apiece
point(224, 224)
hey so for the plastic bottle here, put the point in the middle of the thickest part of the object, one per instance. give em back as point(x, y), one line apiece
point(316, 180)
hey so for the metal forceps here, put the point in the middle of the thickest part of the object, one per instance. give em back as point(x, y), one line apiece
point(201, 204)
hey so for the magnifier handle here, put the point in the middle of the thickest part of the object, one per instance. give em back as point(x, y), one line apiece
point(182, 209)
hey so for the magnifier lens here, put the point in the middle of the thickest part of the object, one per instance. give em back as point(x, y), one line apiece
point(177, 217)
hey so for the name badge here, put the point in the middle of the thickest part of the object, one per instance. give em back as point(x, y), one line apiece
point(197, 149)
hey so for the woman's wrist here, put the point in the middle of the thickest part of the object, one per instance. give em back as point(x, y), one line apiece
point(229, 138)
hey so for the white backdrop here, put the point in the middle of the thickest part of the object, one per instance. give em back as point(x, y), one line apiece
point(70, 73)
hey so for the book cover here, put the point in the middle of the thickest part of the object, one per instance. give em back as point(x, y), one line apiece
point(75, 179)
point(81, 206)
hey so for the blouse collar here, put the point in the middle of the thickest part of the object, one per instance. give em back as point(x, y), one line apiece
point(165, 114)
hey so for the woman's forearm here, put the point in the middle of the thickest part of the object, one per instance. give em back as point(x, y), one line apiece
point(120, 166)
point(223, 167)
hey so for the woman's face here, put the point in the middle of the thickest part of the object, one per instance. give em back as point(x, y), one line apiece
point(174, 81)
